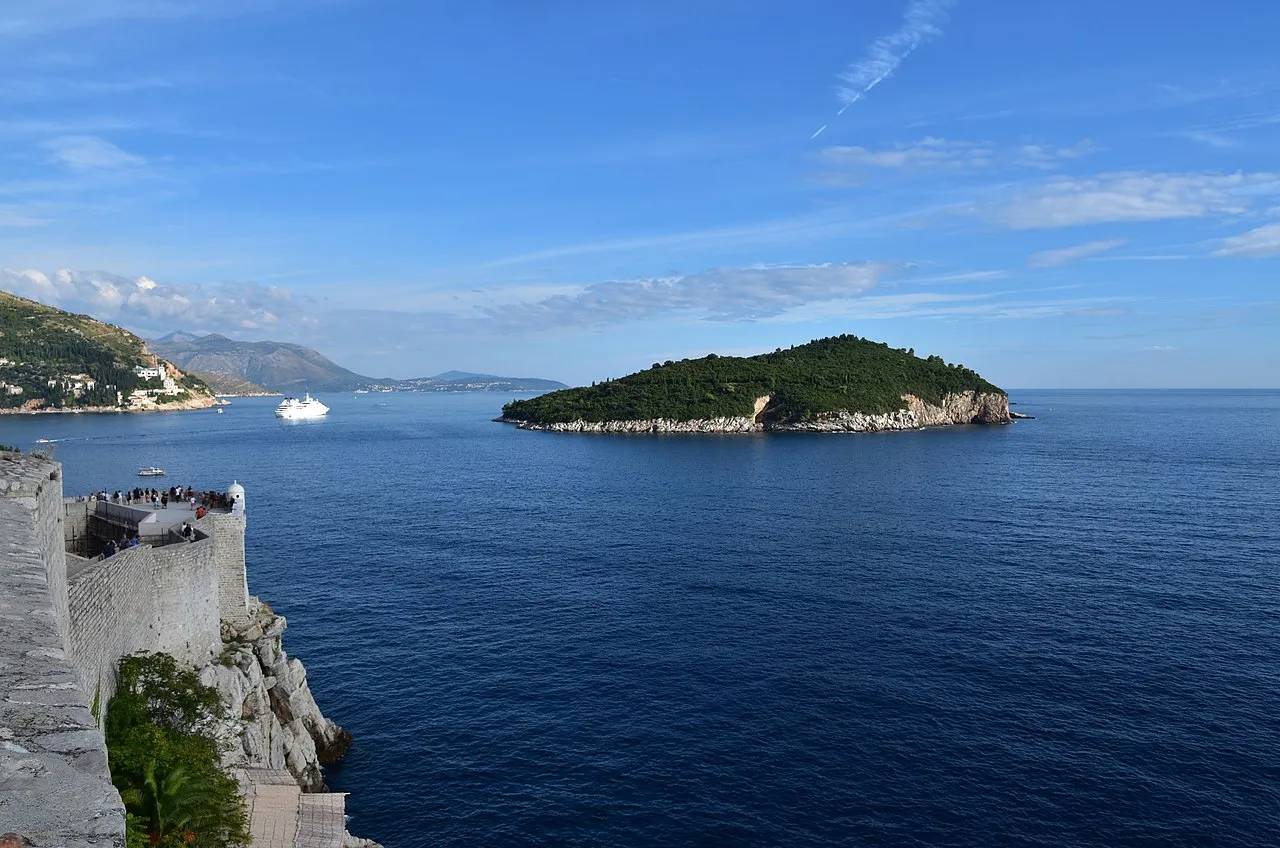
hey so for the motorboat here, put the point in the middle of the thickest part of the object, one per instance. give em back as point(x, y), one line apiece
point(219, 410)
point(151, 471)
point(308, 407)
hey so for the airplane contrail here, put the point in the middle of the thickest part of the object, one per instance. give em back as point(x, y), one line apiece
point(818, 133)
point(921, 20)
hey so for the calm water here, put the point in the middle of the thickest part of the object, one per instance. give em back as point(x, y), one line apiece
point(1063, 632)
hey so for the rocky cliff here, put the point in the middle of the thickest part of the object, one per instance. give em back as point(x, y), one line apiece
point(956, 408)
point(278, 723)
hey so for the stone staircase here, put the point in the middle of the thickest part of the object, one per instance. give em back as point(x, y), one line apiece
point(282, 816)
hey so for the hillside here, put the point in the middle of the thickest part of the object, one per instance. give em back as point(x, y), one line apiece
point(230, 384)
point(51, 359)
point(799, 388)
point(292, 368)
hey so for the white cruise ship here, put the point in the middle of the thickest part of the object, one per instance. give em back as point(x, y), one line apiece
point(308, 407)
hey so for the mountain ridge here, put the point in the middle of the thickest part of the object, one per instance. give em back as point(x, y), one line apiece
point(292, 368)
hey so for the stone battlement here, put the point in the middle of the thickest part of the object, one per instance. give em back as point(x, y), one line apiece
point(63, 636)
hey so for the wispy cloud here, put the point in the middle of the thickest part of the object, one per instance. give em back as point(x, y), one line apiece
point(144, 304)
point(921, 20)
point(88, 152)
point(931, 153)
point(721, 294)
point(1257, 243)
point(18, 218)
point(25, 19)
point(1048, 156)
point(834, 222)
point(1126, 197)
point(927, 153)
point(1061, 256)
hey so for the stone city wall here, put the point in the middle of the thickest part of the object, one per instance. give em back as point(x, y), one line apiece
point(61, 642)
point(55, 788)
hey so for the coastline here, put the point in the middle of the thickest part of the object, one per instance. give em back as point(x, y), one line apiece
point(183, 406)
point(962, 408)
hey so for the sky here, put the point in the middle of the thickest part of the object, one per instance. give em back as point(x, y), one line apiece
point(1080, 194)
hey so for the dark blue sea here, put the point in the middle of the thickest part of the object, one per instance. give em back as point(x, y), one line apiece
point(1061, 633)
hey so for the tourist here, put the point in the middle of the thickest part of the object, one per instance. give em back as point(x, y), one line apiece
point(109, 549)
point(164, 501)
point(155, 502)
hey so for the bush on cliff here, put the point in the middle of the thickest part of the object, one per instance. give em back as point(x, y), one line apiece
point(164, 757)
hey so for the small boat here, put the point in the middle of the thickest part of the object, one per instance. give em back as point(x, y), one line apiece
point(308, 407)
point(45, 441)
point(151, 471)
point(219, 410)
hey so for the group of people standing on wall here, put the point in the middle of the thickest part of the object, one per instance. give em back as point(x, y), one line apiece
point(161, 498)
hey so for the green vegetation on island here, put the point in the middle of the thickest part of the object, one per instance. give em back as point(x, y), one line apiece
point(807, 381)
point(51, 359)
point(165, 758)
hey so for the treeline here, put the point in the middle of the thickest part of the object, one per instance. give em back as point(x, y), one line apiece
point(839, 373)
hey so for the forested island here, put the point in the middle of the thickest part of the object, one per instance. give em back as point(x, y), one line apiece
point(842, 383)
point(56, 361)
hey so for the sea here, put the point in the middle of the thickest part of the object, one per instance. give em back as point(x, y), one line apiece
point(1064, 632)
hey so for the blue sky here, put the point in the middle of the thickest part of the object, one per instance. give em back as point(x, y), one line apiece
point(1056, 194)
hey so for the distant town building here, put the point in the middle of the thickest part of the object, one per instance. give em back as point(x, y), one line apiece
point(146, 373)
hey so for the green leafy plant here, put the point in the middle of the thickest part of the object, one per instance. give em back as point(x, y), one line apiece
point(164, 757)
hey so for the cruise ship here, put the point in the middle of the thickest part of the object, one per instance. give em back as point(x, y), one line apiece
point(308, 407)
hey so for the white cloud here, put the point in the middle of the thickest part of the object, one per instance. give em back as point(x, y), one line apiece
point(1257, 243)
point(1061, 256)
point(1047, 156)
point(142, 303)
point(89, 152)
point(721, 294)
point(929, 152)
point(932, 153)
point(921, 20)
point(1128, 196)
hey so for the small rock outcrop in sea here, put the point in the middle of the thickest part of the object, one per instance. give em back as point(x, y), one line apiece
point(956, 408)
point(277, 722)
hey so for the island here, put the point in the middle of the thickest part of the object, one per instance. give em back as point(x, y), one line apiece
point(838, 384)
point(56, 361)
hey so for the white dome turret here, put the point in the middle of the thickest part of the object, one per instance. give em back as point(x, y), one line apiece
point(235, 494)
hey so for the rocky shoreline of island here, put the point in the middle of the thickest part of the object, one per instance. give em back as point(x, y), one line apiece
point(959, 408)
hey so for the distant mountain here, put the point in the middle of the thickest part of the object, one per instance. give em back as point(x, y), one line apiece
point(292, 368)
point(279, 366)
point(54, 360)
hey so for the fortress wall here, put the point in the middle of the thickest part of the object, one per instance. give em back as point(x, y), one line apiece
point(233, 583)
point(61, 642)
point(185, 581)
point(113, 614)
point(55, 787)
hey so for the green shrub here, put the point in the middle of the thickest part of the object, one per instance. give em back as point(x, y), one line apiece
point(164, 757)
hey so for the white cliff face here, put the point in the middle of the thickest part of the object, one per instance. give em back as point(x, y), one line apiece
point(957, 408)
point(277, 722)
point(960, 408)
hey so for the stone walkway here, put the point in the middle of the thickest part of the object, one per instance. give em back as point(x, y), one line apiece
point(282, 816)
